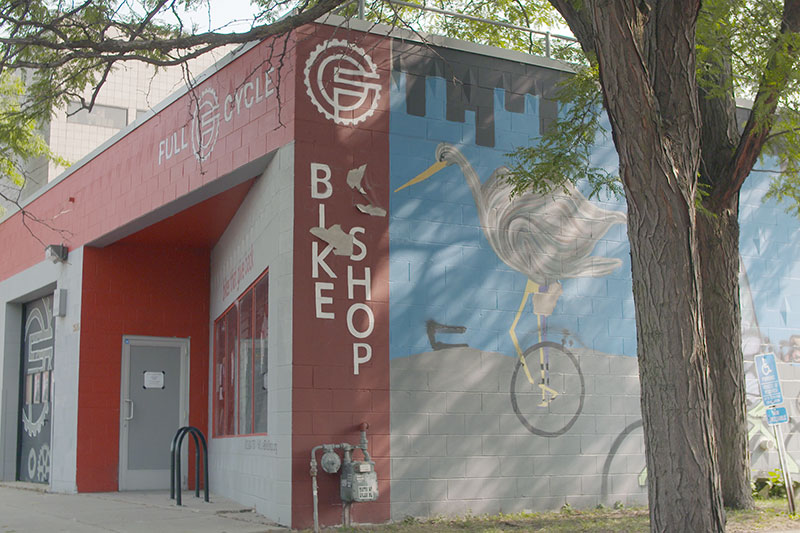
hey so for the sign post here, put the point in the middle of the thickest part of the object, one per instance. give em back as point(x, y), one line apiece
point(772, 396)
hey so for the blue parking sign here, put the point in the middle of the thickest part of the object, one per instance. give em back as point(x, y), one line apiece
point(767, 372)
point(777, 415)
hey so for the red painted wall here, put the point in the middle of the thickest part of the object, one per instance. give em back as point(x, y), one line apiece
point(132, 289)
point(329, 401)
point(127, 181)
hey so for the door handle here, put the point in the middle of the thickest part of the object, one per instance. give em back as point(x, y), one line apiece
point(130, 410)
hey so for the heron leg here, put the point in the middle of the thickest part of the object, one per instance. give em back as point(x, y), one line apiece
point(533, 288)
point(530, 288)
point(544, 367)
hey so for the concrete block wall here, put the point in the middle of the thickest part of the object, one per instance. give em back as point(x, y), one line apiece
point(460, 446)
point(256, 470)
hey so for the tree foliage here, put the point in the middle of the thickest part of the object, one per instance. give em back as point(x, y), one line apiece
point(18, 132)
point(51, 52)
point(68, 46)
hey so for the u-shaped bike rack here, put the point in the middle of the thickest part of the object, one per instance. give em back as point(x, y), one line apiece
point(175, 463)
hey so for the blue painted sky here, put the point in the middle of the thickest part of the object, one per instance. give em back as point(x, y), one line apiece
point(442, 266)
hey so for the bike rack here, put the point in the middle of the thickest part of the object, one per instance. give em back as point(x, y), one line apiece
point(175, 463)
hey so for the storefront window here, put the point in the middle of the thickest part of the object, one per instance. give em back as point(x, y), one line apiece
point(241, 362)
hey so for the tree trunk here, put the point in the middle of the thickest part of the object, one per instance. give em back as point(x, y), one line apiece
point(647, 70)
point(647, 62)
point(718, 241)
point(683, 483)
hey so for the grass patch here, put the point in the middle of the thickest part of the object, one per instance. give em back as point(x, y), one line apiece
point(769, 515)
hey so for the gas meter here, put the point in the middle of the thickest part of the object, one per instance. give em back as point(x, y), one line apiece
point(359, 482)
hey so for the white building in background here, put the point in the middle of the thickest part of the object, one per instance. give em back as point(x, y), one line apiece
point(129, 93)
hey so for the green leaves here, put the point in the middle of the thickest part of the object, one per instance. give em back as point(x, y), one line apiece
point(19, 138)
point(563, 152)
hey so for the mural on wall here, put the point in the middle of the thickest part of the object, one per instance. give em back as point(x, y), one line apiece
point(37, 377)
point(511, 404)
point(471, 409)
point(761, 437)
point(547, 238)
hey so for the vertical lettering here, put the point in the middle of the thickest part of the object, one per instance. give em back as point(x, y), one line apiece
point(359, 360)
point(321, 175)
point(351, 327)
point(318, 260)
point(238, 97)
point(361, 246)
point(352, 282)
point(248, 103)
point(259, 96)
point(320, 300)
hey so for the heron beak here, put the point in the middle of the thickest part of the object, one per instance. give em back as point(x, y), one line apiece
point(430, 171)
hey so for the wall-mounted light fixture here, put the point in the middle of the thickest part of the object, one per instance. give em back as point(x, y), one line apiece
point(57, 253)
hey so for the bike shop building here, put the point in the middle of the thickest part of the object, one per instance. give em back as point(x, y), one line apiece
point(319, 236)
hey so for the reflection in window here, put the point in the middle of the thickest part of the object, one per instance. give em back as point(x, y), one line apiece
point(260, 357)
point(245, 362)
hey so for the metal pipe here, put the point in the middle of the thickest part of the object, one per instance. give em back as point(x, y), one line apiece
point(363, 444)
point(472, 18)
point(547, 44)
point(361, 9)
point(346, 520)
point(314, 488)
point(787, 478)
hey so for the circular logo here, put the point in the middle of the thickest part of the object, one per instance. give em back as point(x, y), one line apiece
point(205, 124)
point(343, 82)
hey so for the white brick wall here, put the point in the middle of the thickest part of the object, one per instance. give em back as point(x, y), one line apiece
point(257, 477)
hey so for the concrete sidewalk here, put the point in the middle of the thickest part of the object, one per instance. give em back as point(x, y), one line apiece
point(25, 508)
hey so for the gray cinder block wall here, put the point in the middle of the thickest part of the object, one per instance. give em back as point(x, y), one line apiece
point(459, 447)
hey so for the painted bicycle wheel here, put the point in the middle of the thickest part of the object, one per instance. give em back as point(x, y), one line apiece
point(553, 416)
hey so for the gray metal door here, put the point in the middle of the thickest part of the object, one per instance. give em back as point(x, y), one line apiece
point(35, 419)
point(154, 405)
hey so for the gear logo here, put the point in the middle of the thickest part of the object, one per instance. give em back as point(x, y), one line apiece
point(205, 124)
point(343, 82)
